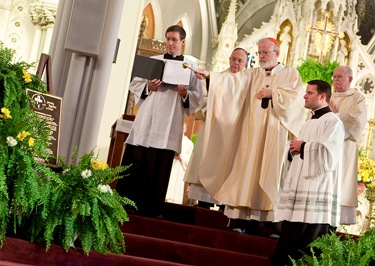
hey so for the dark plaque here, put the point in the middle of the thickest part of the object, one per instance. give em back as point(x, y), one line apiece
point(48, 107)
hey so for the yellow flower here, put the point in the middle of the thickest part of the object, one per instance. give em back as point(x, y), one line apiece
point(6, 113)
point(96, 165)
point(21, 136)
point(26, 76)
point(31, 141)
point(366, 170)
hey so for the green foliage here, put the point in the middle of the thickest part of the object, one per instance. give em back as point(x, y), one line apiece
point(38, 204)
point(23, 135)
point(83, 206)
point(14, 79)
point(334, 251)
point(312, 69)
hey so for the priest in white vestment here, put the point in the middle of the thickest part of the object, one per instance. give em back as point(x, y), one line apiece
point(310, 200)
point(350, 106)
point(237, 62)
point(254, 112)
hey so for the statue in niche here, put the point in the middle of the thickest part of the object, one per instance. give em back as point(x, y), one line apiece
point(285, 39)
point(342, 53)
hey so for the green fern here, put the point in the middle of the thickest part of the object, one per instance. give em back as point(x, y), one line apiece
point(86, 208)
point(311, 69)
point(334, 251)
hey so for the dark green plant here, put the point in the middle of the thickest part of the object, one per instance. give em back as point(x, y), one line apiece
point(311, 69)
point(332, 250)
point(23, 135)
point(83, 209)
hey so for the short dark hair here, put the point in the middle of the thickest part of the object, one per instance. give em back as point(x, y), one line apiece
point(177, 28)
point(322, 87)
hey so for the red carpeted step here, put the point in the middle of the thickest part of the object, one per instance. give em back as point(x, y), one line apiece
point(17, 252)
point(173, 251)
point(202, 236)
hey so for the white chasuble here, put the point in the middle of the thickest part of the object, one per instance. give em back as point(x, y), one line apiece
point(352, 111)
point(245, 145)
point(312, 188)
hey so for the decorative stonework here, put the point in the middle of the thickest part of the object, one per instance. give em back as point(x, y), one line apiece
point(42, 14)
point(367, 85)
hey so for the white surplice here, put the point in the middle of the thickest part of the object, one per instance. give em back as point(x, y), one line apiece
point(312, 188)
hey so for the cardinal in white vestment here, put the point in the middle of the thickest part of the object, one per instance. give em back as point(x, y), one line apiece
point(253, 112)
point(350, 106)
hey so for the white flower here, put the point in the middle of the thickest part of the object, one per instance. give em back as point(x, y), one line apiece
point(109, 189)
point(11, 141)
point(86, 173)
point(66, 170)
point(102, 188)
point(105, 188)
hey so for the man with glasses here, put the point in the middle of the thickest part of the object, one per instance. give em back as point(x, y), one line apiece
point(157, 132)
point(254, 112)
point(350, 106)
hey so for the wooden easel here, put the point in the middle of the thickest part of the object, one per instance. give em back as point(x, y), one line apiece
point(45, 65)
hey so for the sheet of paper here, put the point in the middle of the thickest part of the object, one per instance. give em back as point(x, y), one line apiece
point(175, 74)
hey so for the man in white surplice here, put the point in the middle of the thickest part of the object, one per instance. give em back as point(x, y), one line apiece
point(310, 200)
point(157, 132)
point(350, 106)
point(253, 112)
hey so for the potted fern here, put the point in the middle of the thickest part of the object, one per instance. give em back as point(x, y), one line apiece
point(335, 250)
point(74, 206)
point(82, 208)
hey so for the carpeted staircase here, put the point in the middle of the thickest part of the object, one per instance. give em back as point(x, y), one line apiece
point(187, 236)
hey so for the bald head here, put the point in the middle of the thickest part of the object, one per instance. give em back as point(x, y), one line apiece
point(342, 78)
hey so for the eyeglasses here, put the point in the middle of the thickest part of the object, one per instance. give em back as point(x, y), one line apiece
point(234, 59)
point(337, 77)
point(172, 40)
point(266, 53)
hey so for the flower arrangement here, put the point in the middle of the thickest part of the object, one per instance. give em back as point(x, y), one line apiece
point(82, 207)
point(23, 135)
point(366, 169)
point(41, 205)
